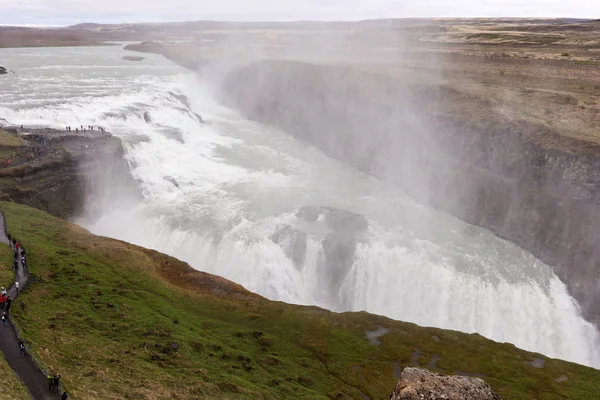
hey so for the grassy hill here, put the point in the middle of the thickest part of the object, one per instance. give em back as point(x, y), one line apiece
point(118, 321)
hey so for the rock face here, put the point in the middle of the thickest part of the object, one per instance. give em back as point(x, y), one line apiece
point(339, 232)
point(293, 243)
point(78, 174)
point(512, 177)
point(420, 384)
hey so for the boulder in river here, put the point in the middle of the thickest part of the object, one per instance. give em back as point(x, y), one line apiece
point(2, 70)
point(309, 213)
point(421, 384)
point(147, 117)
point(345, 221)
point(335, 219)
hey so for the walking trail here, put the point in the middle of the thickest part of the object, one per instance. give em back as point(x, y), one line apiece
point(33, 378)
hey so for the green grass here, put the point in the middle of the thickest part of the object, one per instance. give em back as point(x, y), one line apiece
point(10, 144)
point(8, 139)
point(11, 387)
point(118, 321)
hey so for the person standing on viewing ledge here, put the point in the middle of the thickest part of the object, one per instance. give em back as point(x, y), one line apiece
point(17, 286)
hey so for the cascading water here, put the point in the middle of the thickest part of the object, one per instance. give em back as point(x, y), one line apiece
point(223, 196)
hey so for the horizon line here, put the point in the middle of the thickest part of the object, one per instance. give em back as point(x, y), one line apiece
point(41, 25)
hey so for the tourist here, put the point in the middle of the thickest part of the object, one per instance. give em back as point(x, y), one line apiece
point(4, 319)
point(8, 303)
point(22, 347)
point(2, 291)
point(17, 245)
point(57, 382)
point(17, 286)
point(65, 396)
point(50, 378)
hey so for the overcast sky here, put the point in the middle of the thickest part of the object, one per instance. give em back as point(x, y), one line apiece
point(66, 12)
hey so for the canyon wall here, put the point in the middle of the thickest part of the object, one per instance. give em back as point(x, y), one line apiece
point(76, 175)
point(448, 149)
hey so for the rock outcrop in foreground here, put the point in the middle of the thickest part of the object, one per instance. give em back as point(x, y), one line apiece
point(420, 384)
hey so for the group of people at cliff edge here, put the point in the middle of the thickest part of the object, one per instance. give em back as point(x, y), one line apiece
point(84, 129)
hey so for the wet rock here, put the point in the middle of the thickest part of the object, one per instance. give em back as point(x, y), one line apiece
point(343, 231)
point(420, 384)
point(2, 70)
point(345, 221)
point(133, 58)
point(172, 180)
point(147, 117)
point(338, 249)
point(335, 219)
point(309, 213)
point(293, 243)
point(199, 118)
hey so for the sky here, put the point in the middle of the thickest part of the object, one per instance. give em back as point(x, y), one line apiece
point(68, 12)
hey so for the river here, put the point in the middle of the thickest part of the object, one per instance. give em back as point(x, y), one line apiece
point(215, 193)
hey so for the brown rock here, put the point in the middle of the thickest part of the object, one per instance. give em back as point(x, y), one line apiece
point(421, 384)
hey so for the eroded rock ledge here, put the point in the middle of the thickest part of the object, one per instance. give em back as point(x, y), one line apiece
point(75, 173)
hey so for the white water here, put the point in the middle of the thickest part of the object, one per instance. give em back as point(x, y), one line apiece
point(237, 182)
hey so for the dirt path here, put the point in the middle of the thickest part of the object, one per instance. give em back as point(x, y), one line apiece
point(34, 379)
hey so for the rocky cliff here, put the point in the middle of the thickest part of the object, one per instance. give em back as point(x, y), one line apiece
point(71, 176)
point(515, 177)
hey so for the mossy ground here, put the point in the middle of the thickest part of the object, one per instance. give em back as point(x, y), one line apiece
point(10, 144)
point(118, 321)
point(11, 387)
